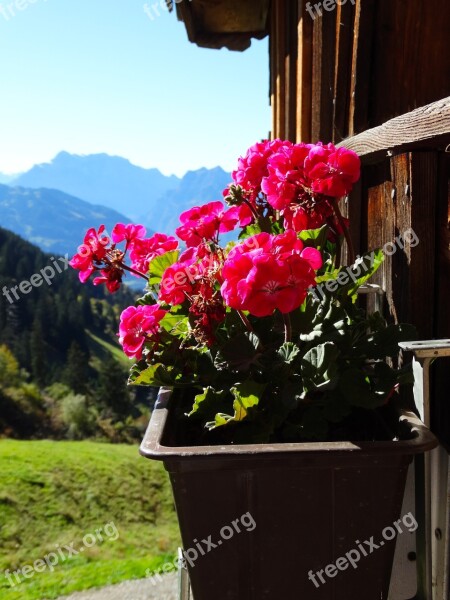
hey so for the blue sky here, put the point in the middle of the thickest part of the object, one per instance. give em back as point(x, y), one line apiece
point(90, 76)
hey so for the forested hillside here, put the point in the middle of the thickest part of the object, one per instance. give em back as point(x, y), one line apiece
point(62, 373)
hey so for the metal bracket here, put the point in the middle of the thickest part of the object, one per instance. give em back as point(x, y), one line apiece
point(432, 484)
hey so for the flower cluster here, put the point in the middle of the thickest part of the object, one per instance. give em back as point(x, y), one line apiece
point(269, 272)
point(241, 322)
point(300, 181)
point(276, 181)
point(100, 253)
point(139, 324)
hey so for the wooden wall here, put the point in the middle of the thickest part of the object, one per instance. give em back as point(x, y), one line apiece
point(356, 66)
point(348, 72)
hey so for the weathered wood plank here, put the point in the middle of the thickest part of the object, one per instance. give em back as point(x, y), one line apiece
point(345, 21)
point(428, 124)
point(291, 70)
point(411, 61)
point(304, 74)
point(280, 66)
point(414, 266)
point(380, 229)
point(324, 50)
point(361, 66)
point(224, 23)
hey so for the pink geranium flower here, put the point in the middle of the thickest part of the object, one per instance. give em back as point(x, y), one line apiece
point(268, 272)
point(286, 179)
point(138, 325)
point(333, 171)
point(111, 276)
point(92, 251)
point(180, 280)
point(177, 282)
point(204, 223)
point(253, 166)
point(143, 251)
point(129, 232)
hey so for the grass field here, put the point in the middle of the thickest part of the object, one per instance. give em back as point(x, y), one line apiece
point(55, 495)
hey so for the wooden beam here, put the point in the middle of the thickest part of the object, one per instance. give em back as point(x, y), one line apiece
point(224, 23)
point(425, 127)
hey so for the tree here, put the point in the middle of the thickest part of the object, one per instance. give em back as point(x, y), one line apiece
point(112, 391)
point(76, 373)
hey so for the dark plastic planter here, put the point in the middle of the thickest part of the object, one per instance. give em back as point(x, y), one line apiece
point(312, 504)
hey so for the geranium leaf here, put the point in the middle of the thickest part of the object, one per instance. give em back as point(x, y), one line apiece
point(155, 375)
point(288, 352)
point(319, 365)
point(355, 386)
point(314, 237)
point(207, 402)
point(160, 263)
point(246, 396)
point(239, 352)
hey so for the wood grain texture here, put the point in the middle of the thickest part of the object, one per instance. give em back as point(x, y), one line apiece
point(324, 49)
point(280, 68)
point(426, 125)
point(411, 59)
point(360, 66)
point(345, 21)
point(304, 74)
point(291, 55)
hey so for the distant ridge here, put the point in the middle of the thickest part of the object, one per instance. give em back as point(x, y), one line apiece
point(50, 219)
point(143, 195)
point(100, 179)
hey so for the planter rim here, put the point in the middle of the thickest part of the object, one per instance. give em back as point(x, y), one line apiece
point(423, 440)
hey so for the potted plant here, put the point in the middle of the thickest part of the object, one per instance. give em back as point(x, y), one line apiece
point(277, 416)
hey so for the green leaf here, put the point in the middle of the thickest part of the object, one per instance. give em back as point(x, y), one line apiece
point(355, 386)
point(246, 396)
point(207, 403)
point(160, 263)
point(319, 366)
point(362, 271)
point(220, 420)
point(175, 322)
point(156, 375)
point(288, 352)
point(315, 238)
point(239, 352)
point(249, 231)
point(146, 299)
point(384, 343)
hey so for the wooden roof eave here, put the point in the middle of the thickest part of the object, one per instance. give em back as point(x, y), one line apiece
point(224, 23)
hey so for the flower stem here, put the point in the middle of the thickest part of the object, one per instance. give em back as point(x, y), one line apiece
point(348, 239)
point(131, 270)
point(246, 322)
point(252, 208)
point(287, 328)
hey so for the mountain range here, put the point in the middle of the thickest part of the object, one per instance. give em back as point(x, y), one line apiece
point(50, 219)
point(54, 203)
point(100, 179)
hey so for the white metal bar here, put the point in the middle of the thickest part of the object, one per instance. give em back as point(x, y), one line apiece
point(432, 484)
point(184, 587)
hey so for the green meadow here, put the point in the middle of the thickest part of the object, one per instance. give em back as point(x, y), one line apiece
point(53, 494)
